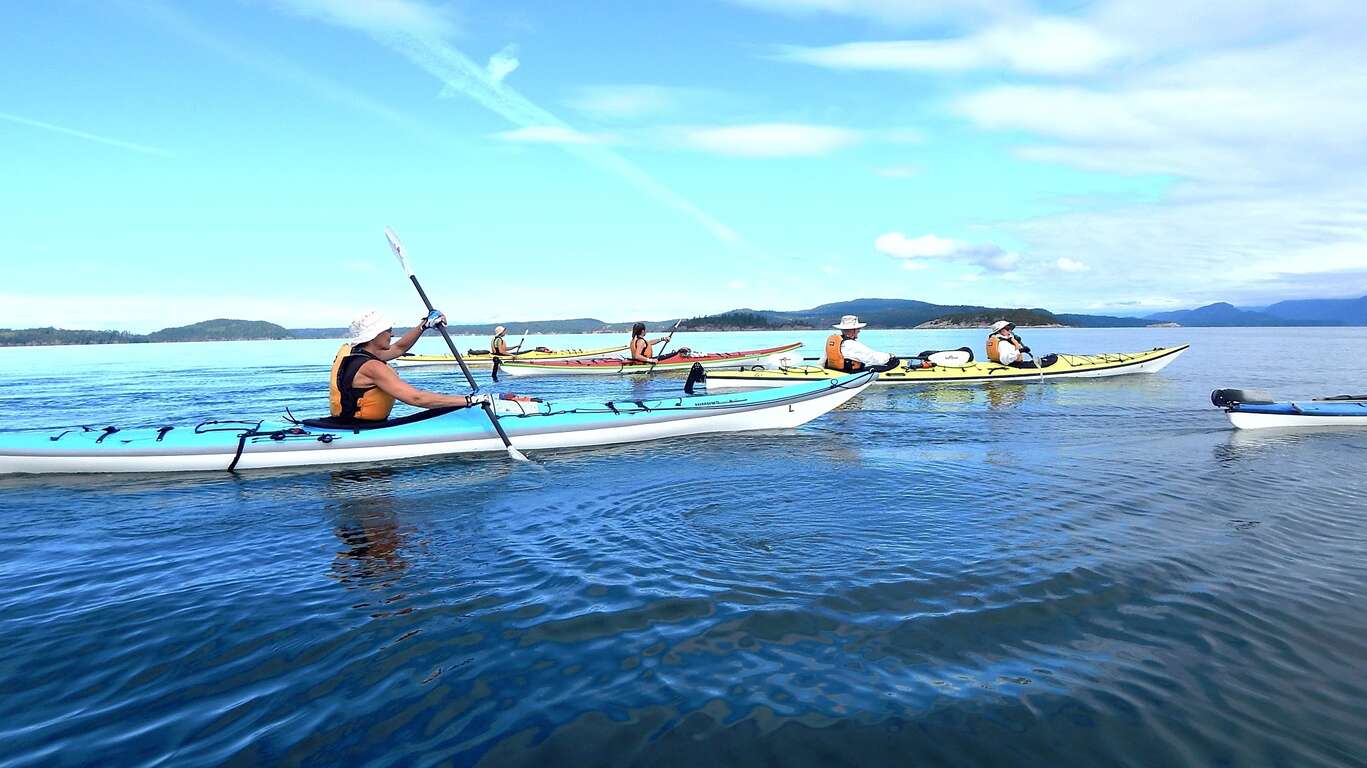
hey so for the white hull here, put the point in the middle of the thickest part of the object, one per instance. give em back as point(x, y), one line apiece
point(1242, 420)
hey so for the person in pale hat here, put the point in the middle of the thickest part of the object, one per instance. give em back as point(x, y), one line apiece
point(1002, 345)
point(498, 345)
point(844, 351)
point(1006, 348)
point(363, 387)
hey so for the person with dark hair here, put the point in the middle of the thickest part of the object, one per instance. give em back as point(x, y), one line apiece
point(643, 349)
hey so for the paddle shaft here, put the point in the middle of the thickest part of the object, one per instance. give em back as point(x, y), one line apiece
point(668, 339)
point(465, 369)
point(397, 247)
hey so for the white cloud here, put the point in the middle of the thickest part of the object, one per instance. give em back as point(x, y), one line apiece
point(1065, 264)
point(1040, 46)
point(892, 11)
point(107, 141)
point(503, 63)
point(628, 101)
point(771, 139)
point(388, 16)
point(916, 251)
point(552, 134)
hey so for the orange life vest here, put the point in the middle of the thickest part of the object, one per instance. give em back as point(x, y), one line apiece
point(498, 346)
point(835, 359)
point(646, 351)
point(994, 343)
point(368, 403)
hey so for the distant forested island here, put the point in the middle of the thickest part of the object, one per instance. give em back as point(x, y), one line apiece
point(221, 329)
point(878, 313)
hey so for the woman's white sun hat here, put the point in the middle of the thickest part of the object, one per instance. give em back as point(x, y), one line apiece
point(849, 323)
point(500, 330)
point(369, 325)
point(1000, 324)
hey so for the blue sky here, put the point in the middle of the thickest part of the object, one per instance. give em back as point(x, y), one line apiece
point(168, 162)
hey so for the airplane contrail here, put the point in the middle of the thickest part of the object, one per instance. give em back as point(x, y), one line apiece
point(141, 148)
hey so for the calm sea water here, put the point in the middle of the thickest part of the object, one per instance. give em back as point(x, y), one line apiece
point(1078, 573)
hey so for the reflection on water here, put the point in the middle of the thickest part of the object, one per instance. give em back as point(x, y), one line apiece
point(1078, 573)
point(368, 527)
point(1004, 396)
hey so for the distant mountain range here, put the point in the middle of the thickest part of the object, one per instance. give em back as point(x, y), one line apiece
point(903, 313)
point(879, 313)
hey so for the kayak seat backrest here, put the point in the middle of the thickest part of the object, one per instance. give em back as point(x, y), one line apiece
point(1341, 397)
point(338, 422)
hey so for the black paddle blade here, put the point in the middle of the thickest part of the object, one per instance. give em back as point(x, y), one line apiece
point(1226, 398)
point(696, 374)
point(495, 371)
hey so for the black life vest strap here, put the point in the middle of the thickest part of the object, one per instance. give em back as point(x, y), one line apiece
point(346, 374)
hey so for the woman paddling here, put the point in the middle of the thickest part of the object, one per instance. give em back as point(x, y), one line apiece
point(643, 350)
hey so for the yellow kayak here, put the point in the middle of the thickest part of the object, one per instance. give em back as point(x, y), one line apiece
point(1065, 367)
point(483, 358)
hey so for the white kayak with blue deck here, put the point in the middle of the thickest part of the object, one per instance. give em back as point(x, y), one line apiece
point(531, 425)
point(1256, 410)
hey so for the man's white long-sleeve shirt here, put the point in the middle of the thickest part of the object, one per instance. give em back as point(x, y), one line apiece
point(854, 350)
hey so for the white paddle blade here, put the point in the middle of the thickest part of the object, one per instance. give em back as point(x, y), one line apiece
point(951, 358)
point(396, 246)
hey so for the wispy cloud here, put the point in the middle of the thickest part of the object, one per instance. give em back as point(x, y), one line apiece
point(628, 101)
point(380, 16)
point(553, 134)
point(107, 141)
point(1065, 264)
point(893, 11)
point(771, 139)
point(419, 38)
point(277, 67)
point(917, 252)
point(1039, 46)
point(503, 63)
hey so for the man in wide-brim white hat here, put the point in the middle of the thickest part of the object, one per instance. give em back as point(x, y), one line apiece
point(844, 351)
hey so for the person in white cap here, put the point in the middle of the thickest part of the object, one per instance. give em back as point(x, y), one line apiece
point(1004, 347)
point(844, 351)
point(364, 388)
point(499, 345)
